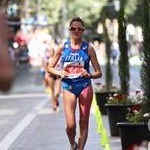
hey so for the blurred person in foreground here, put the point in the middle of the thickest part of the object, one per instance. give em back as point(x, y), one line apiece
point(76, 55)
point(6, 66)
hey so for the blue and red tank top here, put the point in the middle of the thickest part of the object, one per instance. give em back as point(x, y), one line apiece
point(73, 61)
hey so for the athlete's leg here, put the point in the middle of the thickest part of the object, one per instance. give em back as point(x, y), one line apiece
point(50, 81)
point(44, 76)
point(57, 90)
point(69, 100)
point(85, 100)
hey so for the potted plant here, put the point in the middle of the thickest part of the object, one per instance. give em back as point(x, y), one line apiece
point(117, 107)
point(136, 129)
point(101, 94)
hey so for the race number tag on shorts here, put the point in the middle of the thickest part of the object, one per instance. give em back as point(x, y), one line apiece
point(74, 69)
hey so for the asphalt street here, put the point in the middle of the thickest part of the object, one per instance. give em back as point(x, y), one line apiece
point(28, 122)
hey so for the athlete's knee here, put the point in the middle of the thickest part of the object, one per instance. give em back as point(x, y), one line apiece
point(57, 95)
point(71, 128)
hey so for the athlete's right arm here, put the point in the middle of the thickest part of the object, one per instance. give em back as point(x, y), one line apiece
point(51, 66)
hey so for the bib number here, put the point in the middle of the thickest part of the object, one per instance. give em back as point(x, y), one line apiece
point(74, 69)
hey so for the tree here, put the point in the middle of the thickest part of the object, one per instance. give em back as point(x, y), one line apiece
point(74, 8)
point(131, 7)
point(79, 8)
point(123, 60)
point(49, 8)
point(108, 71)
point(54, 10)
point(145, 69)
point(133, 10)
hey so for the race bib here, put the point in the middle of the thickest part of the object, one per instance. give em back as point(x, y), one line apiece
point(74, 69)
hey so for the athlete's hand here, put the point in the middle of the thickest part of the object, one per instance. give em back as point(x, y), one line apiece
point(85, 74)
point(63, 74)
point(46, 75)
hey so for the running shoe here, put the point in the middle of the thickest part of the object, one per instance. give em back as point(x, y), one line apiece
point(57, 102)
point(74, 146)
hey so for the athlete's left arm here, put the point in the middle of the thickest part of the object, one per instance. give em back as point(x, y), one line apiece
point(97, 68)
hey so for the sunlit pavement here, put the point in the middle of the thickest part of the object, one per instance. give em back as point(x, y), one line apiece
point(28, 122)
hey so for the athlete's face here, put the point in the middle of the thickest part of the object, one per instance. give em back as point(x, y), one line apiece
point(76, 30)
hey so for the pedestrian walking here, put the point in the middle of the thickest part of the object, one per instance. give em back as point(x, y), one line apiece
point(114, 51)
point(76, 55)
point(6, 67)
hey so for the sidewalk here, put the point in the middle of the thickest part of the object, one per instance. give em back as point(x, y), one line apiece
point(115, 143)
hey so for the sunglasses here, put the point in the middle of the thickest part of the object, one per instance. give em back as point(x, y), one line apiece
point(76, 28)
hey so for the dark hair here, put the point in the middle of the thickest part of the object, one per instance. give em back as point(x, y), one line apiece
point(77, 19)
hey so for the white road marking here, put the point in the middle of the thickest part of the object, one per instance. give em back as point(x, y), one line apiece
point(32, 95)
point(13, 135)
point(9, 112)
point(45, 111)
point(23, 95)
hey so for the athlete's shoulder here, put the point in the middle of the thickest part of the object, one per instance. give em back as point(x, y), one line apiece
point(91, 49)
point(85, 43)
point(91, 46)
point(66, 44)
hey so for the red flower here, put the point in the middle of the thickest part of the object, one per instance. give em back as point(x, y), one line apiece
point(132, 147)
point(136, 107)
point(120, 97)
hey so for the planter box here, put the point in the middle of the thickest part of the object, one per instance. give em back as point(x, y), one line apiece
point(101, 99)
point(116, 113)
point(133, 133)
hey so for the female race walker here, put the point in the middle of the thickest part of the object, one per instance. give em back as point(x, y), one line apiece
point(75, 56)
point(52, 82)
